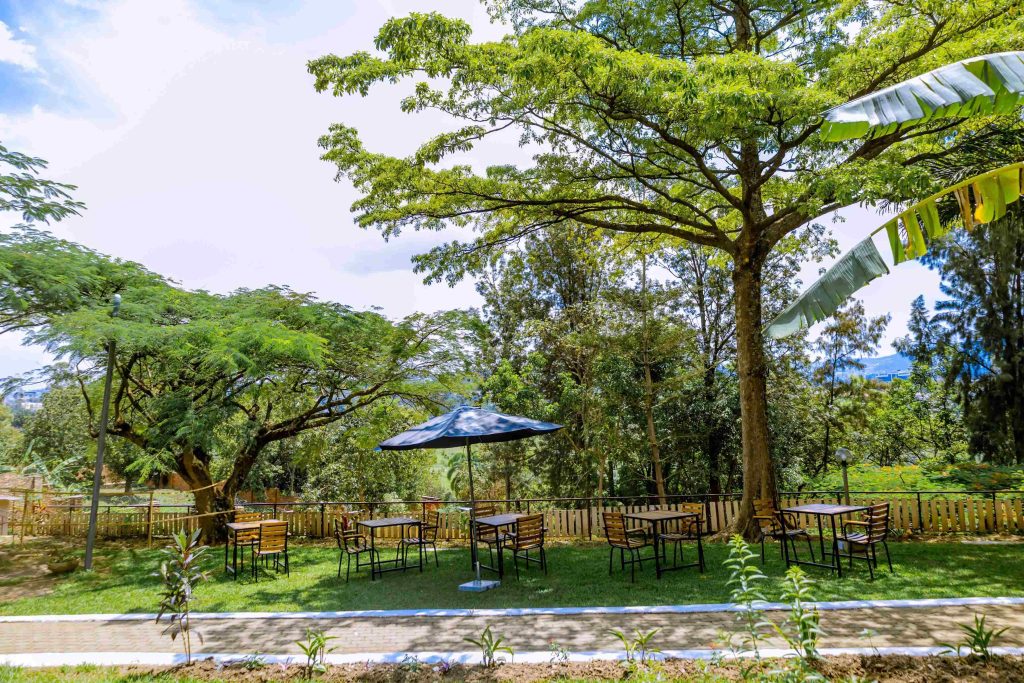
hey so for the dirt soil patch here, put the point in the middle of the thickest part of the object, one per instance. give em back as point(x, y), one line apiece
point(888, 668)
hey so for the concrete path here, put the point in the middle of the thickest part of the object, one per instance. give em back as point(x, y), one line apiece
point(904, 627)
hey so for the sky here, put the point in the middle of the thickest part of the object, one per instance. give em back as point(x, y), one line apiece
point(190, 129)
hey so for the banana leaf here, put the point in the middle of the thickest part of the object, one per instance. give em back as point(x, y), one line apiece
point(990, 84)
point(981, 199)
point(856, 268)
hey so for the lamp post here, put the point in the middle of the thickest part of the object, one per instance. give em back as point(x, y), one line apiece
point(101, 444)
point(844, 459)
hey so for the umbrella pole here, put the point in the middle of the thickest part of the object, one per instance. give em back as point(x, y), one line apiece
point(472, 513)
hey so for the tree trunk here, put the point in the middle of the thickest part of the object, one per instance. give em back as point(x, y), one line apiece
point(652, 435)
point(194, 468)
point(758, 472)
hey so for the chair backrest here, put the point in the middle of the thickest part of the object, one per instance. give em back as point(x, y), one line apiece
point(273, 537)
point(695, 508)
point(347, 538)
point(765, 507)
point(431, 523)
point(615, 528)
point(530, 529)
point(246, 516)
point(484, 509)
point(877, 517)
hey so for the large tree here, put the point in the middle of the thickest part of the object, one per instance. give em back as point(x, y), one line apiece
point(201, 377)
point(694, 120)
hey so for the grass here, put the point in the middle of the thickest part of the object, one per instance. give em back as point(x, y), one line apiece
point(578, 576)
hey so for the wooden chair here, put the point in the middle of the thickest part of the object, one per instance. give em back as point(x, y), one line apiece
point(863, 535)
point(246, 538)
point(529, 535)
point(431, 524)
point(272, 542)
point(774, 525)
point(626, 540)
point(351, 544)
point(489, 535)
point(686, 530)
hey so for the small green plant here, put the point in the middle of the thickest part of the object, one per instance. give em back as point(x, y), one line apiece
point(316, 651)
point(411, 663)
point(253, 662)
point(745, 579)
point(804, 623)
point(638, 647)
point(559, 653)
point(977, 639)
point(490, 645)
point(870, 634)
point(181, 574)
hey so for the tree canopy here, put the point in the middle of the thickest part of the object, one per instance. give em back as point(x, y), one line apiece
point(690, 120)
point(201, 375)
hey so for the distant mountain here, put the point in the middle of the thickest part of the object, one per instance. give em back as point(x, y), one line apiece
point(883, 368)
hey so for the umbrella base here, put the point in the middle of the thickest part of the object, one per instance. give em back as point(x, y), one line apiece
point(479, 585)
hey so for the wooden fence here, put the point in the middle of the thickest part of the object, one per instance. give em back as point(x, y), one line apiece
point(576, 518)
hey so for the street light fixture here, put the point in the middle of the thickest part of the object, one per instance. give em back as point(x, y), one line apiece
point(101, 443)
point(844, 459)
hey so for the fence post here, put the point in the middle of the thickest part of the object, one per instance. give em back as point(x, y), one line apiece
point(707, 511)
point(323, 521)
point(590, 522)
point(24, 518)
point(995, 512)
point(920, 514)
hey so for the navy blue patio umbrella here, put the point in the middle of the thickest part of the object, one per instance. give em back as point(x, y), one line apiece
point(465, 426)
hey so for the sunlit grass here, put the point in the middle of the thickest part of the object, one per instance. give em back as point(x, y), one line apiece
point(578, 576)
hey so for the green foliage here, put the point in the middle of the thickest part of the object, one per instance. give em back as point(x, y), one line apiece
point(36, 199)
point(181, 572)
point(977, 639)
point(316, 651)
point(490, 645)
point(983, 333)
point(205, 382)
point(978, 476)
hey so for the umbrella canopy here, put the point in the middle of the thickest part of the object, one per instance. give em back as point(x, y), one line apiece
point(467, 425)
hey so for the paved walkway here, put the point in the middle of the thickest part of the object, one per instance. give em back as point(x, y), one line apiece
point(903, 627)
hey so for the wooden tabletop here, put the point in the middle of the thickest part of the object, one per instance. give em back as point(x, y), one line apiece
point(660, 515)
point(500, 520)
point(387, 521)
point(247, 526)
point(825, 509)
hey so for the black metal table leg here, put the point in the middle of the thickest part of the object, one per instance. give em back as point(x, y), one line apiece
point(373, 555)
point(657, 553)
point(835, 549)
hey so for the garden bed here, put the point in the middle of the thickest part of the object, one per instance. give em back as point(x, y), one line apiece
point(894, 668)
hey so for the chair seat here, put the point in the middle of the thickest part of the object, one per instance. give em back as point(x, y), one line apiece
point(631, 543)
point(673, 536)
point(860, 539)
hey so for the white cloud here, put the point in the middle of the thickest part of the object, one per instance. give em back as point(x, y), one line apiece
point(16, 51)
point(192, 137)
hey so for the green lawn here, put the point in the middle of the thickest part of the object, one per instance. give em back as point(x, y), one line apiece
point(578, 576)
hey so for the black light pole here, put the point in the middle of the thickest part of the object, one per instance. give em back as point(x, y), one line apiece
point(844, 459)
point(101, 444)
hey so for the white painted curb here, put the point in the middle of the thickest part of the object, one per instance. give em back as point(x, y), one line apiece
point(531, 611)
point(55, 659)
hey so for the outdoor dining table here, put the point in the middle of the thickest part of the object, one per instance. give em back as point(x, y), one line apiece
point(657, 520)
point(232, 542)
point(820, 511)
point(496, 522)
point(399, 563)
